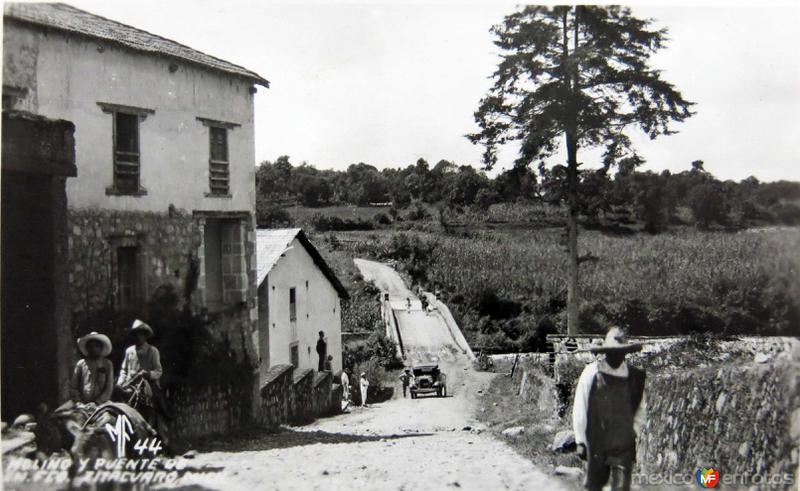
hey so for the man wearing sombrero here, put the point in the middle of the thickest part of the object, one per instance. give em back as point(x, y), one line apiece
point(141, 368)
point(142, 358)
point(609, 408)
point(93, 378)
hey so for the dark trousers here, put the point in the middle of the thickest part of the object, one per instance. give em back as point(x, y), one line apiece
point(602, 465)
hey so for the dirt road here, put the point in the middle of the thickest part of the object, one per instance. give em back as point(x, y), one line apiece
point(428, 443)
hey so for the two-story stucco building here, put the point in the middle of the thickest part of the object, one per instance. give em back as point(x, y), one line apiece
point(299, 296)
point(165, 155)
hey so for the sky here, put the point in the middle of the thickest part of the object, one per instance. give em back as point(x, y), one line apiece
point(388, 83)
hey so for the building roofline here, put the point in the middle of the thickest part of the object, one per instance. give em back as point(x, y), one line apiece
point(323, 266)
point(235, 70)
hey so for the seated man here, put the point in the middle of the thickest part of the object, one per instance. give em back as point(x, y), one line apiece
point(139, 376)
point(93, 379)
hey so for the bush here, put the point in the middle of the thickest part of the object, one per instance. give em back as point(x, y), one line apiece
point(325, 223)
point(382, 219)
point(272, 216)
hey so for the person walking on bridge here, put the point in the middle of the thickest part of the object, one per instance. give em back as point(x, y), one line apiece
point(608, 410)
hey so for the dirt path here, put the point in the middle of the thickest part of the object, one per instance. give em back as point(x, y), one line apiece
point(428, 443)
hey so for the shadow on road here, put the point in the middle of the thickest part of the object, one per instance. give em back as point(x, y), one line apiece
point(259, 439)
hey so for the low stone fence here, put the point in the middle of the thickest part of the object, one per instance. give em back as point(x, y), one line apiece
point(321, 393)
point(276, 396)
point(302, 397)
point(210, 410)
point(336, 399)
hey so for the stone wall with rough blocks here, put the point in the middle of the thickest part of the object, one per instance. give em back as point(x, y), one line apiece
point(166, 241)
point(742, 419)
point(212, 410)
point(302, 397)
point(276, 396)
point(321, 399)
point(170, 250)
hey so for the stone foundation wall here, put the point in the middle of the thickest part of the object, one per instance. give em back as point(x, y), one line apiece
point(276, 396)
point(302, 397)
point(167, 243)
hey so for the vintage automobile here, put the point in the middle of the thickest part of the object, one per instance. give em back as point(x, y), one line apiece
point(428, 379)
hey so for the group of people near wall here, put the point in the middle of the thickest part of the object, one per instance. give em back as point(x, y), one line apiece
point(363, 386)
point(93, 381)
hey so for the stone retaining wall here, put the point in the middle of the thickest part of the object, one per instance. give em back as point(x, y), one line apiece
point(743, 419)
point(211, 410)
point(276, 396)
point(321, 398)
point(302, 408)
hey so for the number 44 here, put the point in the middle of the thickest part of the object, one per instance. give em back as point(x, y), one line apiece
point(151, 445)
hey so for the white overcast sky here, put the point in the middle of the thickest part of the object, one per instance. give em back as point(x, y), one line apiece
point(386, 83)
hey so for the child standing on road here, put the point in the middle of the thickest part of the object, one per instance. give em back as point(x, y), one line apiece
point(408, 305)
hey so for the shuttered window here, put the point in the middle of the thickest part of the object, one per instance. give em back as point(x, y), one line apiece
point(219, 168)
point(126, 152)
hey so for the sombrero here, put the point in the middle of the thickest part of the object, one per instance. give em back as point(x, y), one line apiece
point(95, 336)
point(616, 342)
point(141, 326)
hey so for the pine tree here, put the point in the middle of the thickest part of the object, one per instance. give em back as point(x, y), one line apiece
point(580, 73)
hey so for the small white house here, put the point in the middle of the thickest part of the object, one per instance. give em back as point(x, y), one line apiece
point(298, 296)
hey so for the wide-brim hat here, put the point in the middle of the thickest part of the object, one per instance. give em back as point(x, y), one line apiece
point(140, 326)
point(94, 336)
point(616, 342)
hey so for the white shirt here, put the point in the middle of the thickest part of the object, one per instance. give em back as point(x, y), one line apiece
point(580, 407)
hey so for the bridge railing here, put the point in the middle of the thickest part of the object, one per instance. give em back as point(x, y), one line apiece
point(392, 327)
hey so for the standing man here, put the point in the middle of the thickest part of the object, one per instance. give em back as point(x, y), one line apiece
point(608, 410)
point(93, 378)
point(322, 351)
point(364, 384)
point(406, 377)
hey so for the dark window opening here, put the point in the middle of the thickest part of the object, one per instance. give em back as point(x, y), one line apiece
point(213, 265)
point(219, 169)
point(128, 282)
point(292, 304)
point(294, 355)
point(126, 152)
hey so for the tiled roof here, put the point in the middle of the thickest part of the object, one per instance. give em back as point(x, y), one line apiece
point(273, 242)
point(67, 18)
